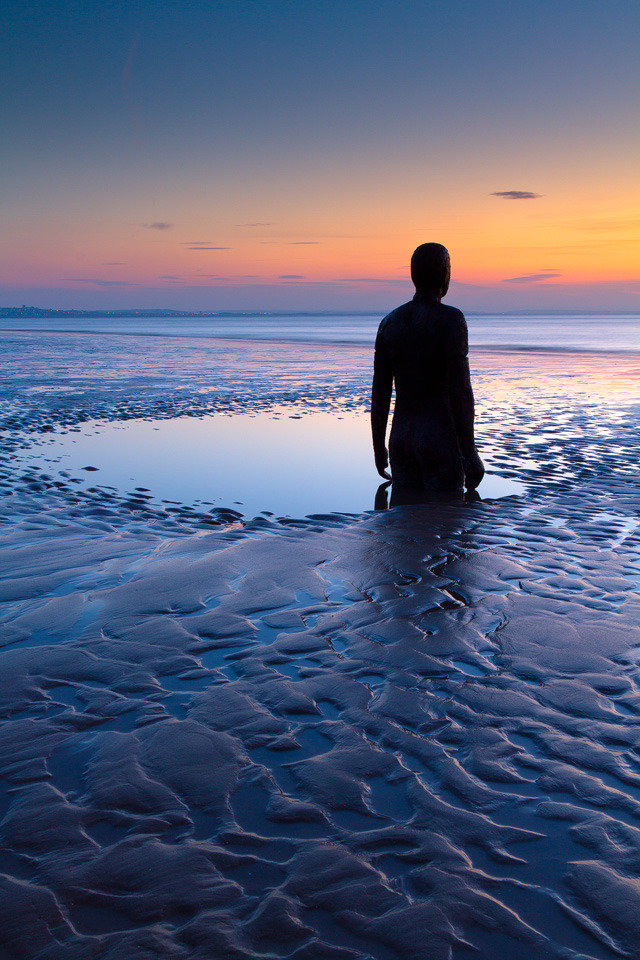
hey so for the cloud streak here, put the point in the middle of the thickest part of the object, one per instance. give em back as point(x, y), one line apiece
point(385, 280)
point(516, 195)
point(201, 245)
point(99, 283)
point(158, 225)
point(531, 278)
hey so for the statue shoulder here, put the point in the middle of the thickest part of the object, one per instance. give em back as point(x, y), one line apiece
point(394, 318)
point(457, 333)
point(453, 315)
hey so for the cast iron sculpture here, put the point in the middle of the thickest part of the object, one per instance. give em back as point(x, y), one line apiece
point(422, 348)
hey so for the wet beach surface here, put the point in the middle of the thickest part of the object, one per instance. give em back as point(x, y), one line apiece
point(408, 734)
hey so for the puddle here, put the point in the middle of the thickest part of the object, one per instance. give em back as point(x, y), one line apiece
point(277, 462)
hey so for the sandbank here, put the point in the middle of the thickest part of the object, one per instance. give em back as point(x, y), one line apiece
point(410, 733)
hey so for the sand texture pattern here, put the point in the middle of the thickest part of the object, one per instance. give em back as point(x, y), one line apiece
point(412, 734)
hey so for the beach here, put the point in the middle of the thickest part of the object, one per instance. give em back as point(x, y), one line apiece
point(235, 725)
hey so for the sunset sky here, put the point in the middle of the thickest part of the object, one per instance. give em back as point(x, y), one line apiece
point(290, 154)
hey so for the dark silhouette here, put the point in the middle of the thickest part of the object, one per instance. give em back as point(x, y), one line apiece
point(403, 496)
point(422, 347)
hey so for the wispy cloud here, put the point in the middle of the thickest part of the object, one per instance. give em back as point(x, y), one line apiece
point(291, 276)
point(516, 195)
point(265, 223)
point(114, 263)
point(302, 243)
point(172, 277)
point(201, 245)
point(99, 283)
point(387, 280)
point(531, 278)
point(234, 279)
point(158, 225)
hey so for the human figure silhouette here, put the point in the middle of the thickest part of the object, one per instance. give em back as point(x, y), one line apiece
point(422, 348)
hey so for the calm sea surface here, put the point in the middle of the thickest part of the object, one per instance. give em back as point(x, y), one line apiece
point(556, 332)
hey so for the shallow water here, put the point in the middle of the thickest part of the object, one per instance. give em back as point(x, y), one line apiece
point(608, 332)
point(279, 461)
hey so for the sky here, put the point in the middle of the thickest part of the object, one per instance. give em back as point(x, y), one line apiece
point(290, 154)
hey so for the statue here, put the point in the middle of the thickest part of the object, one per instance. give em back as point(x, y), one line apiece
point(422, 348)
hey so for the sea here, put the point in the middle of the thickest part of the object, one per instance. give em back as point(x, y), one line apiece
point(312, 457)
point(549, 331)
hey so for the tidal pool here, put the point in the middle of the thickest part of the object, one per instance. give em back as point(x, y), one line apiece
point(281, 462)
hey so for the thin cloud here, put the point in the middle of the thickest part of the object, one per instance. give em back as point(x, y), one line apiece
point(291, 276)
point(516, 195)
point(531, 278)
point(114, 263)
point(201, 245)
point(169, 276)
point(99, 283)
point(302, 243)
point(239, 276)
point(370, 280)
point(158, 225)
point(258, 224)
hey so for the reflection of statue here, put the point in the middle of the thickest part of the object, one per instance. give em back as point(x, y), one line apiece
point(422, 347)
point(403, 496)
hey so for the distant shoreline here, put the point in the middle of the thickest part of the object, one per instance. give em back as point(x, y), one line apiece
point(50, 313)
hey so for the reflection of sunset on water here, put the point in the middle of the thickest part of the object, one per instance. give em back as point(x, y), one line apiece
point(538, 373)
point(287, 461)
point(284, 426)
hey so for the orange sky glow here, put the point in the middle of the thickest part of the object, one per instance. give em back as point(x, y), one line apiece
point(151, 174)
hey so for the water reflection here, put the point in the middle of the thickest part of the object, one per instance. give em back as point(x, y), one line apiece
point(402, 495)
point(286, 461)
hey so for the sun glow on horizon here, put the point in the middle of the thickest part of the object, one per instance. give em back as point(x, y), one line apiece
point(229, 163)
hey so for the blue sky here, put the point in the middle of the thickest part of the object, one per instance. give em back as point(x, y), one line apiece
point(354, 129)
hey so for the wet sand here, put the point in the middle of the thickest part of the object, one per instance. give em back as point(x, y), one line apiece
point(409, 734)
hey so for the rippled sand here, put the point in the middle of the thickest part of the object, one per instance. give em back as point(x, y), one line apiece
point(412, 734)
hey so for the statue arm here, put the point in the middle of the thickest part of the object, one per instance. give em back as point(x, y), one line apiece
point(380, 405)
point(463, 405)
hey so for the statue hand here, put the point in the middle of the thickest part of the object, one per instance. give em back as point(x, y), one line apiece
point(473, 470)
point(382, 462)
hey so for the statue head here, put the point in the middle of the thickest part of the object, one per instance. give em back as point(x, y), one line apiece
point(431, 269)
